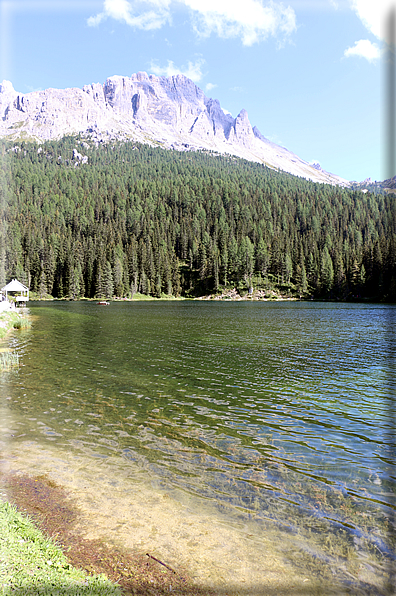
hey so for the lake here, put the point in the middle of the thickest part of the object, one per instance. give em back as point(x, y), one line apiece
point(249, 442)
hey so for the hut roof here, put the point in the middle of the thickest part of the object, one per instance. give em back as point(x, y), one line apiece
point(15, 286)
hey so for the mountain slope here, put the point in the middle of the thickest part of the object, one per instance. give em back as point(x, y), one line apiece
point(141, 218)
point(170, 112)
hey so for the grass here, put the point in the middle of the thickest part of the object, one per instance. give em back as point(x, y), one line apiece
point(8, 360)
point(7, 321)
point(31, 564)
point(22, 323)
point(58, 516)
point(12, 320)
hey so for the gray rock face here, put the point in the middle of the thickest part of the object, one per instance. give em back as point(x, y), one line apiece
point(171, 112)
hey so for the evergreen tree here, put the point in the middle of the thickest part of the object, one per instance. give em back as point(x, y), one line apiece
point(184, 222)
point(288, 268)
point(118, 277)
point(262, 257)
point(76, 283)
point(327, 271)
point(100, 291)
point(108, 282)
point(246, 260)
point(42, 289)
point(303, 287)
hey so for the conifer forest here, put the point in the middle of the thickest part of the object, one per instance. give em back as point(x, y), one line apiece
point(133, 218)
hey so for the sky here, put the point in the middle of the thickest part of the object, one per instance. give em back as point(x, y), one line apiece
point(310, 73)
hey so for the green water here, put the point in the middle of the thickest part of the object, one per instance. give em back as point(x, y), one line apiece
point(270, 417)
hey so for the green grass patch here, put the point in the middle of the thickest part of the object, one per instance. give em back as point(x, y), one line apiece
point(22, 323)
point(7, 322)
point(13, 320)
point(8, 360)
point(31, 564)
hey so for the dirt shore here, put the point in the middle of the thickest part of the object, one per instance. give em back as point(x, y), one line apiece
point(262, 295)
point(55, 512)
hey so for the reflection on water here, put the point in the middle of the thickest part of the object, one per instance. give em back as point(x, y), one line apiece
point(264, 425)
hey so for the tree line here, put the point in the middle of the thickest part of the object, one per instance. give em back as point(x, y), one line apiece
point(136, 218)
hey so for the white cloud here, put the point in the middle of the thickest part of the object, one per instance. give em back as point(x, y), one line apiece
point(251, 21)
point(192, 70)
point(122, 10)
point(364, 49)
point(275, 139)
point(210, 86)
point(33, 89)
point(374, 14)
point(94, 21)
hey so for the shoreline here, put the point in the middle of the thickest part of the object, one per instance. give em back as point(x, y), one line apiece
point(41, 518)
point(88, 549)
point(11, 320)
point(55, 513)
point(232, 295)
point(121, 532)
point(23, 524)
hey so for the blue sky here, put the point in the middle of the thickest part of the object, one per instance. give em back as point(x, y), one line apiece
point(309, 73)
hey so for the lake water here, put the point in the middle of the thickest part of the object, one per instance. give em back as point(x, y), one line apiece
point(249, 443)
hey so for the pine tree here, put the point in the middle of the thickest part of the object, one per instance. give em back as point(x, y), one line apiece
point(262, 257)
point(158, 286)
point(99, 281)
point(355, 276)
point(340, 285)
point(202, 261)
point(118, 278)
point(326, 271)
point(42, 289)
point(246, 259)
point(288, 267)
point(134, 284)
point(303, 287)
point(75, 283)
point(108, 283)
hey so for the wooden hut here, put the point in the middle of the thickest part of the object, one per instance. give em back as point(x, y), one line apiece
point(15, 287)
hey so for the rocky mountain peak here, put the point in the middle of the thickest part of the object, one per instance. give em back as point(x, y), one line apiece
point(140, 76)
point(168, 111)
point(7, 97)
point(243, 115)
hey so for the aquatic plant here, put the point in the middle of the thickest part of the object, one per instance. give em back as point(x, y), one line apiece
point(13, 320)
point(22, 323)
point(8, 360)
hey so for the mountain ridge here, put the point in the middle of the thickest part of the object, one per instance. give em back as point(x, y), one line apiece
point(171, 112)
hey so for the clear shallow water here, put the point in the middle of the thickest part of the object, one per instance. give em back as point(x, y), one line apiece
point(273, 419)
